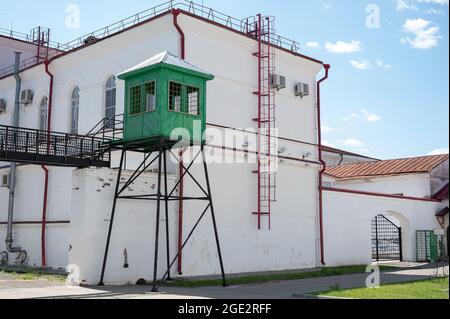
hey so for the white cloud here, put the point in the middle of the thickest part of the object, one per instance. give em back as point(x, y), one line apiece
point(312, 45)
point(352, 142)
point(435, 11)
point(328, 129)
point(383, 65)
point(439, 151)
point(402, 5)
point(324, 6)
point(369, 117)
point(425, 35)
point(361, 64)
point(441, 2)
point(341, 47)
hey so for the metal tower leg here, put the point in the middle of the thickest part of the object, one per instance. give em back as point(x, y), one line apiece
point(158, 213)
point(116, 195)
point(213, 216)
point(166, 205)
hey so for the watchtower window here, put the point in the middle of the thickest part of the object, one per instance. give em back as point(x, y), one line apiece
point(135, 100)
point(175, 97)
point(193, 100)
point(150, 96)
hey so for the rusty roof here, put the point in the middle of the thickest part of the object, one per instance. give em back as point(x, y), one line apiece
point(422, 164)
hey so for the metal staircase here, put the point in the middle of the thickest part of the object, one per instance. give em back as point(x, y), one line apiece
point(262, 30)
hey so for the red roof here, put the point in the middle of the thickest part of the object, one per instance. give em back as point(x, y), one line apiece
point(385, 168)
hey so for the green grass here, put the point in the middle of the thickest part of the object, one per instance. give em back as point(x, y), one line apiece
point(251, 279)
point(427, 289)
point(35, 275)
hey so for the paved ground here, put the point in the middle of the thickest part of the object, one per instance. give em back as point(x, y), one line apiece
point(12, 288)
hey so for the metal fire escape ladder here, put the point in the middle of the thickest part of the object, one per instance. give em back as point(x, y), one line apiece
point(41, 37)
point(266, 172)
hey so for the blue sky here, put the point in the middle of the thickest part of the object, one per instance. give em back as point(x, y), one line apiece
point(387, 96)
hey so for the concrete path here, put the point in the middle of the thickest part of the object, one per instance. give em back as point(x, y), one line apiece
point(272, 290)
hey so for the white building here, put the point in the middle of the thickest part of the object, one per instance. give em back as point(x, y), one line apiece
point(78, 203)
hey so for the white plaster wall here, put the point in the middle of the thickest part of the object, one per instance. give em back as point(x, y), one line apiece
point(134, 229)
point(416, 185)
point(28, 207)
point(346, 244)
point(290, 244)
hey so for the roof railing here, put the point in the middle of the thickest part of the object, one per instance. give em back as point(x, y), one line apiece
point(245, 25)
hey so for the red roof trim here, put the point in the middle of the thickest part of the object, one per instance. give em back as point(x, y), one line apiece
point(442, 194)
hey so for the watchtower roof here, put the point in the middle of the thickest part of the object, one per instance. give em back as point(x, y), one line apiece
point(168, 59)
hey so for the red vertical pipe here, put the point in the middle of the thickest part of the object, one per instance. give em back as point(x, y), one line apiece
point(324, 166)
point(45, 169)
point(44, 217)
point(176, 13)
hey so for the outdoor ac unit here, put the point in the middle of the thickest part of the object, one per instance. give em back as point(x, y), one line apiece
point(301, 89)
point(2, 106)
point(4, 181)
point(278, 82)
point(26, 97)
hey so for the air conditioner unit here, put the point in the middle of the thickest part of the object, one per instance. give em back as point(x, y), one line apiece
point(26, 97)
point(301, 89)
point(4, 180)
point(2, 106)
point(278, 82)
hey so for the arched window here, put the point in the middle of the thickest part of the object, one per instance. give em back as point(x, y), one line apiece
point(110, 102)
point(43, 114)
point(74, 110)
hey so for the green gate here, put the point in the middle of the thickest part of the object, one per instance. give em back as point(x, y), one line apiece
point(426, 246)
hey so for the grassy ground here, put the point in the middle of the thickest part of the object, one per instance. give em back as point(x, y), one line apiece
point(34, 275)
point(323, 272)
point(427, 289)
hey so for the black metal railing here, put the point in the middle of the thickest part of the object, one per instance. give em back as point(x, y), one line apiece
point(108, 128)
point(53, 148)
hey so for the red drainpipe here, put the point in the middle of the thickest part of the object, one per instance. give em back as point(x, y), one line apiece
point(176, 13)
point(324, 166)
point(45, 169)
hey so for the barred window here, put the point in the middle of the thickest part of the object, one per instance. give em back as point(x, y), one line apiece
point(135, 100)
point(43, 114)
point(74, 110)
point(150, 96)
point(175, 97)
point(193, 100)
point(110, 102)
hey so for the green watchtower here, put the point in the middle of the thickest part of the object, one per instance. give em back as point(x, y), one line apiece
point(165, 100)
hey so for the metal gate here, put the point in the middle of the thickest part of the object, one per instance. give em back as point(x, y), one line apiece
point(386, 240)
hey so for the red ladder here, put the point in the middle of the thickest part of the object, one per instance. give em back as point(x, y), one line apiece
point(266, 172)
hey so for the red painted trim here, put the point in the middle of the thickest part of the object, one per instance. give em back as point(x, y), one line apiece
point(180, 216)
point(324, 166)
point(349, 191)
point(44, 217)
point(29, 222)
point(45, 169)
point(176, 13)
